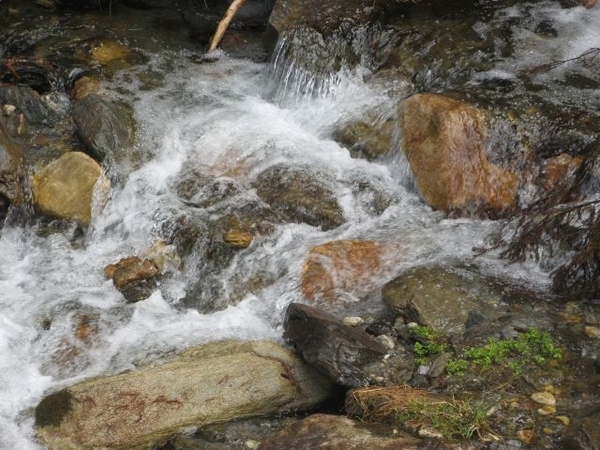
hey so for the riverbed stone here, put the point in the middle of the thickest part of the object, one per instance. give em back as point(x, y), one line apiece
point(70, 188)
point(134, 277)
point(444, 141)
point(338, 269)
point(105, 129)
point(330, 432)
point(341, 352)
point(441, 298)
point(301, 195)
point(11, 169)
point(207, 384)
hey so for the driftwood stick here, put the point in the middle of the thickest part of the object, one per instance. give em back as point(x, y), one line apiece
point(224, 23)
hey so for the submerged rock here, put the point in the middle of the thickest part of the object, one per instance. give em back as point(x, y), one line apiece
point(339, 269)
point(300, 195)
point(340, 351)
point(70, 188)
point(329, 432)
point(212, 383)
point(444, 141)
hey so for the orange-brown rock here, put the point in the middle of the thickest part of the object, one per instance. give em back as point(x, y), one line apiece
point(445, 143)
point(134, 277)
point(130, 270)
point(85, 85)
point(347, 267)
point(559, 170)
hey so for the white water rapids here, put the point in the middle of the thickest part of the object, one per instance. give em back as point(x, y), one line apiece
point(211, 115)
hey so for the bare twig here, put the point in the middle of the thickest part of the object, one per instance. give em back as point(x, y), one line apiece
point(224, 23)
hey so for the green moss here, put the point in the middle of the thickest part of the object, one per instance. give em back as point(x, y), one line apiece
point(53, 408)
point(532, 347)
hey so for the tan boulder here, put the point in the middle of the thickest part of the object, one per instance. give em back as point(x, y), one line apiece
point(445, 143)
point(70, 188)
point(211, 383)
point(356, 267)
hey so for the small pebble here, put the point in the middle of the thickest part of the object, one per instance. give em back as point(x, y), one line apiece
point(544, 398)
point(252, 445)
point(387, 341)
point(592, 332)
point(526, 436)
point(547, 410)
point(353, 321)
point(564, 420)
point(8, 110)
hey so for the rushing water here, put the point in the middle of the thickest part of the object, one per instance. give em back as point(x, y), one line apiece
point(213, 116)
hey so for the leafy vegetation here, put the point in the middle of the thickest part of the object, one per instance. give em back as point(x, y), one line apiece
point(532, 347)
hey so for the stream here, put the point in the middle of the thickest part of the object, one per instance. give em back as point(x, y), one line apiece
point(233, 118)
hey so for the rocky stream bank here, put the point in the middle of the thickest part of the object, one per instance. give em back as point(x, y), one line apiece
point(380, 345)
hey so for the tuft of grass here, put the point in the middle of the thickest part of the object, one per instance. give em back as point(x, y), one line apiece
point(411, 408)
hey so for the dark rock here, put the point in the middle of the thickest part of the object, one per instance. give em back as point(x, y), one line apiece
point(328, 432)
point(583, 434)
point(300, 195)
point(441, 298)
point(103, 128)
point(29, 103)
point(337, 350)
point(11, 169)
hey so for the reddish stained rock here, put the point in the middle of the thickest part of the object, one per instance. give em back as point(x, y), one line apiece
point(354, 267)
point(559, 170)
point(444, 142)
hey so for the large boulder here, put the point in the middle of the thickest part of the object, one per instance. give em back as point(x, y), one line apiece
point(70, 187)
point(329, 432)
point(444, 141)
point(344, 353)
point(211, 383)
point(338, 269)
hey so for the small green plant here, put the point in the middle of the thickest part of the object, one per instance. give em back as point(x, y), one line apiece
point(534, 346)
point(428, 343)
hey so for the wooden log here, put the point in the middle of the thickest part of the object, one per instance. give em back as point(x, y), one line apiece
point(224, 23)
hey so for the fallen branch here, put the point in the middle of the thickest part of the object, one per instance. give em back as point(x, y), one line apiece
point(224, 23)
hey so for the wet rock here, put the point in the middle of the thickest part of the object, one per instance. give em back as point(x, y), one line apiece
point(212, 383)
point(300, 195)
point(103, 128)
point(583, 434)
point(339, 351)
point(558, 170)
point(368, 139)
point(70, 188)
point(328, 432)
point(339, 269)
point(28, 102)
point(440, 298)
point(164, 257)
point(444, 141)
point(204, 191)
point(85, 85)
point(134, 277)
point(11, 169)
